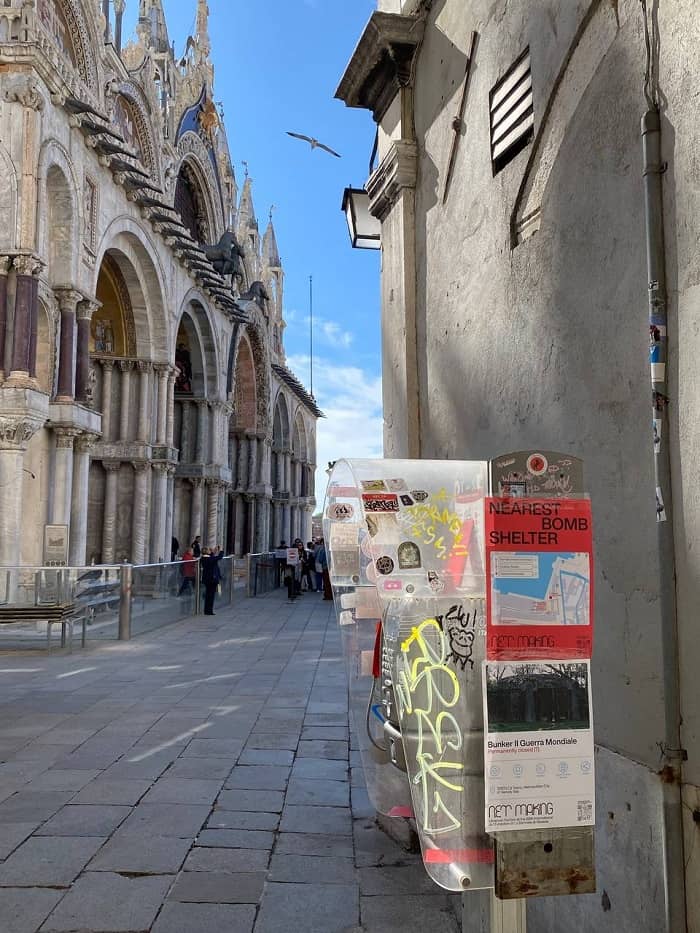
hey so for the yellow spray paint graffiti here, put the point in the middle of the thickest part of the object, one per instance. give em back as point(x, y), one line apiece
point(426, 688)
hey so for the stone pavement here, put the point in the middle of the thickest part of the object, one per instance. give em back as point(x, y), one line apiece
point(201, 779)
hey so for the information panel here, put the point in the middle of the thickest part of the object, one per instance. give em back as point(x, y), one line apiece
point(539, 586)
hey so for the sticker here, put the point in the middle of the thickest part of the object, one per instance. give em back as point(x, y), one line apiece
point(393, 585)
point(505, 463)
point(660, 507)
point(340, 512)
point(658, 372)
point(538, 745)
point(342, 492)
point(346, 618)
point(655, 353)
point(382, 526)
point(515, 490)
point(420, 495)
point(356, 578)
point(397, 485)
point(385, 565)
point(410, 589)
point(376, 502)
point(434, 582)
point(657, 332)
point(537, 464)
point(373, 485)
point(409, 556)
point(371, 573)
point(406, 500)
point(366, 546)
point(657, 425)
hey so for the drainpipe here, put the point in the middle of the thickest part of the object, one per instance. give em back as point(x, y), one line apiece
point(672, 753)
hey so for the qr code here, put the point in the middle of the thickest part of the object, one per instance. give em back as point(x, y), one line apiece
point(585, 811)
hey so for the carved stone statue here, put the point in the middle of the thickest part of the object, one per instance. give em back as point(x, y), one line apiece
point(90, 387)
point(257, 293)
point(226, 256)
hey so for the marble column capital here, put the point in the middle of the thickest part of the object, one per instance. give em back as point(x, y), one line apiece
point(160, 468)
point(5, 264)
point(161, 368)
point(212, 483)
point(140, 466)
point(87, 307)
point(27, 264)
point(108, 364)
point(65, 437)
point(16, 433)
point(85, 442)
point(68, 298)
point(112, 466)
point(196, 482)
point(125, 365)
point(143, 366)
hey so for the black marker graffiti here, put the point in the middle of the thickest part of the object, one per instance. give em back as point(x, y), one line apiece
point(460, 628)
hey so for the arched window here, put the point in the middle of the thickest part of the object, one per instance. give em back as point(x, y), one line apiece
point(189, 203)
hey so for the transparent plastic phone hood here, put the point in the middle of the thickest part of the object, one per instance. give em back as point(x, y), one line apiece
point(405, 542)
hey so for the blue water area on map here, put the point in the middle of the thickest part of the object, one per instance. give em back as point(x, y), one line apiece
point(535, 588)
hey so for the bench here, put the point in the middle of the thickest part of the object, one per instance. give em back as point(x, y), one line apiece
point(64, 615)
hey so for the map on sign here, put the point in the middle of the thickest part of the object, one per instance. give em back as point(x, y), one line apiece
point(540, 588)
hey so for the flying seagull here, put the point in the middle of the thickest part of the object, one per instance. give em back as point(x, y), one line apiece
point(314, 143)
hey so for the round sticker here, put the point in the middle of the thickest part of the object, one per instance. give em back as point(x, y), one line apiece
point(385, 565)
point(410, 588)
point(420, 495)
point(340, 511)
point(537, 464)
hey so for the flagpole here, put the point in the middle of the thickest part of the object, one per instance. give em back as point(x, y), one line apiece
point(311, 332)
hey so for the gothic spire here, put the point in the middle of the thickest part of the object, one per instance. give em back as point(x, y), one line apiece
point(201, 33)
point(152, 28)
point(270, 251)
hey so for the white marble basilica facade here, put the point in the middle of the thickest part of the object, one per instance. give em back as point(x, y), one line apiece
point(143, 394)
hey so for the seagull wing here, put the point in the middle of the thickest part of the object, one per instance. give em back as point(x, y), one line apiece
point(328, 149)
point(300, 136)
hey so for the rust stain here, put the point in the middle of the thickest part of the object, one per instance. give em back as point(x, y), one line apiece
point(668, 775)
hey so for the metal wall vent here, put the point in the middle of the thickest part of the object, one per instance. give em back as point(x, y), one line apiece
point(511, 113)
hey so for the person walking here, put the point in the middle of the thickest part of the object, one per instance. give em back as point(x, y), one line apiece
point(318, 568)
point(211, 576)
point(308, 566)
point(188, 569)
point(323, 560)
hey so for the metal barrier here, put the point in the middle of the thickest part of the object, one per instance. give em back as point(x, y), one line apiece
point(264, 573)
point(117, 601)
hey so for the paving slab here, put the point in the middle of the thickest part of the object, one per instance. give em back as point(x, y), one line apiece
point(268, 801)
point(313, 908)
point(183, 790)
point(398, 914)
point(62, 779)
point(12, 835)
point(215, 887)
point(318, 793)
point(266, 756)
point(236, 839)
point(227, 860)
point(258, 777)
point(26, 806)
point(314, 844)
point(23, 910)
point(322, 820)
point(108, 903)
point(141, 854)
point(55, 861)
point(191, 768)
point(309, 869)
point(228, 749)
point(318, 769)
point(121, 793)
point(205, 918)
point(244, 819)
point(276, 740)
point(166, 819)
point(323, 749)
point(85, 820)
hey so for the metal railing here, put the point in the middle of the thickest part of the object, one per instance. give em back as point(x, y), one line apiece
point(117, 601)
point(264, 573)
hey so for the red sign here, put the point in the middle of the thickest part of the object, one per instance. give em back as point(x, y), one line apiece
point(539, 581)
point(380, 502)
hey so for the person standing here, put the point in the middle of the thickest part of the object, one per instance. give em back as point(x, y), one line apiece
point(323, 560)
point(211, 576)
point(308, 566)
point(196, 547)
point(174, 549)
point(188, 569)
point(318, 569)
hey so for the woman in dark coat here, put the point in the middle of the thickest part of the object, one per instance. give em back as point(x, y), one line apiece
point(211, 576)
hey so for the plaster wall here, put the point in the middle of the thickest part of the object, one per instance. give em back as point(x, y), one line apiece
point(546, 345)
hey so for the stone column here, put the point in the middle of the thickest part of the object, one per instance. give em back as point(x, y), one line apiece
point(83, 389)
point(5, 263)
point(275, 523)
point(23, 361)
point(178, 527)
point(68, 300)
point(140, 512)
point(169, 506)
point(14, 438)
point(196, 509)
point(170, 417)
point(125, 400)
point(77, 555)
point(286, 522)
point(238, 541)
point(107, 372)
point(143, 434)
point(252, 461)
point(186, 452)
point(159, 494)
point(109, 521)
point(227, 411)
point(200, 448)
point(288, 471)
point(242, 470)
point(251, 503)
point(260, 524)
point(62, 479)
point(163, 372)
point(212, 513)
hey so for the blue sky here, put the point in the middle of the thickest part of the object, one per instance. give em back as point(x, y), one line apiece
point(278, 63)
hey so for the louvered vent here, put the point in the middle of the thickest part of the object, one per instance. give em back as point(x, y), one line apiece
point(512, 117)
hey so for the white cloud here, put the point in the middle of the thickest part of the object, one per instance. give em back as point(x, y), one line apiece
point(335, 335)
point(351, 399)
